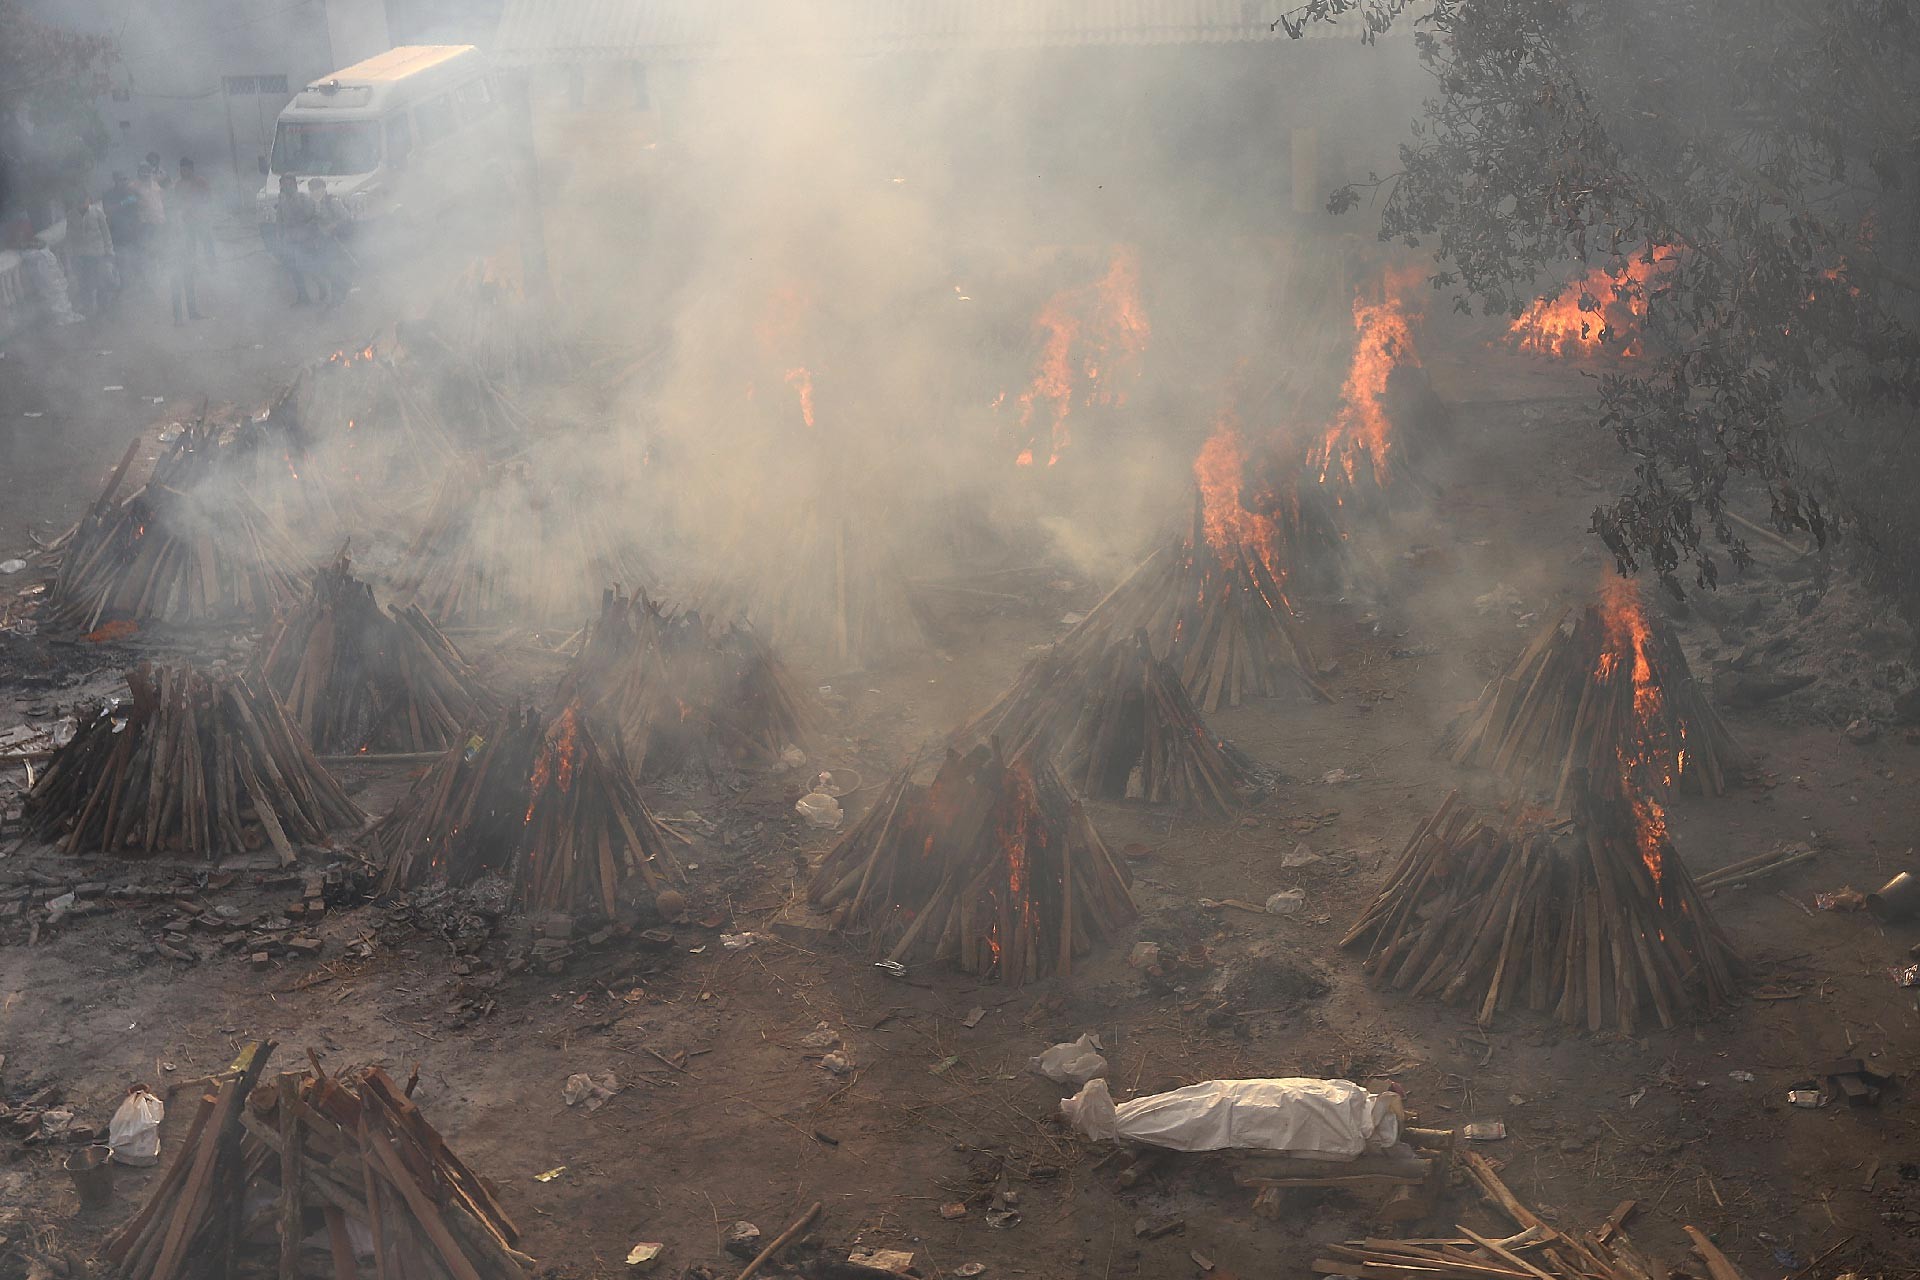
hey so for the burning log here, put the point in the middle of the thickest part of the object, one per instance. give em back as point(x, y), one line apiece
point(553, 807)
point(1215, 605)
point(993, 866)
point(195, 762)
point(188, 546)
point(265, 1166)
point(494, 550)
point(1595, 920)
point(682, 691)
point(1613, 690)
point(356, 678)
point(1120, 727)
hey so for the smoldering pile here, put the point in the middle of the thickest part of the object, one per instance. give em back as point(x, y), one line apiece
point(358, 678)
point(993, 866)
point(189, 546)
point(551, 806)
point(683, 692)
point(1120, 726)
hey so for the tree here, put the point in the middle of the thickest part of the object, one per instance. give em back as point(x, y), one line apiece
point(1748, 172)
point(49, 129)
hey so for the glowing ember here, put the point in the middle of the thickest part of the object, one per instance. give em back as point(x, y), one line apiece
point(802, 383)
point(1092, 340)
point(1382, 342)
point(555, 763)
point(1601, 309)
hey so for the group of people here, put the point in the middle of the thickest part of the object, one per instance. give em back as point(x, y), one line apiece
point(156, 221)
point(310, 233)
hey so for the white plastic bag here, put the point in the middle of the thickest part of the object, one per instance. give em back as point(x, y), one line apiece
point(133, 1135)
point(1333, 1118)
point(1072, 1062)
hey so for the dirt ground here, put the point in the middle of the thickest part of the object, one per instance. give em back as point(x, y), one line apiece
point(724, 1115)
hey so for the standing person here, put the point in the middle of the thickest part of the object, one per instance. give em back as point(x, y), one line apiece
point(293, 222)
point(178, 251)
point(332, 226)
point(123, 223)
point(195, 199)
point(89, 253)
point(153, 201)
point(160, 178)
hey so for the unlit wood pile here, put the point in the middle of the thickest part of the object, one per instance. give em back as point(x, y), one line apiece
point(357, 678)
point(511, 338)
point(992, 866)
point(494, 550)
point(196, 762)
point(1121, 726)
point(1536, 1250)
point(286, 1176)
point(682, 691)
point(188, 546)
point(1613, 688)
point(551, 806)
point(1221, 616)
point(1597, 920)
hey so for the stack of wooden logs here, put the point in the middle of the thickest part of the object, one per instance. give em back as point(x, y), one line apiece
point(357, 678)
point(345, 1166)
point(1535, 1251)
point(187, 547)
point(493, 550)
point(1612, 690)
point(1221, 616)
point(551, 806)
point(196, 762)
point(1121, 726)
point(993, 866)
point(681, 691)
point(1596, 920)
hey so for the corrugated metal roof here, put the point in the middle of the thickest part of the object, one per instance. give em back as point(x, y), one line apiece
point(568, 31)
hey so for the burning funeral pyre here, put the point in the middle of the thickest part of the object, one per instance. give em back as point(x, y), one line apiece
point(1119, 727)
point(1613, 691)
point(993, 866)
point(355, 677)
point(189, 546)
point(682, 691)
point(1596, 920)
point(551, 806)
point(495, 549)
point(1216, 604)
point(268, 1164)
point(194, 762)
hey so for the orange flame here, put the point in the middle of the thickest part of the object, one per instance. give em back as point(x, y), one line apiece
point(1230, 527)
point(1093, 339)
point(1602, 306)
point(556, 760)
point(801, 380)
point(1629, 639)
point(1382, 342)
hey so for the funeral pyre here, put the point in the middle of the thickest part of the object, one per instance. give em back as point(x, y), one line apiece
point(355, 677)
point(344, 1166)
point(1612, 690)
point(551, 806)
point(1596, 920)
point(195, 762)
point(993, 866)
point(682, 691)
point(1119, 727)
point(189, 546)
